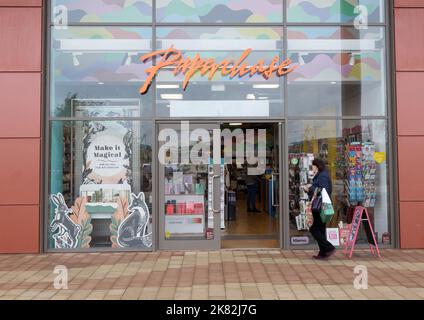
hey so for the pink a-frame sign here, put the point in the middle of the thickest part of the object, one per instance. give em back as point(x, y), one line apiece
point(360, 215)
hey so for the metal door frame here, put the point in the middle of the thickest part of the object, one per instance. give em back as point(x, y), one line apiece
point(185, 244)
point(283, 227)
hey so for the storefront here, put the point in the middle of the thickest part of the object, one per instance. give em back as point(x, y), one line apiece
point(157, 113)
point(330, 101)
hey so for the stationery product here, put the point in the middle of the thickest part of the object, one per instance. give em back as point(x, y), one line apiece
point(190, 207)
point(170, 208)
point(198, 208)
point(188, 183)
point(181, 208)
point(169, 187)
point(361, 173)
point(199, 188)
point(178, 182)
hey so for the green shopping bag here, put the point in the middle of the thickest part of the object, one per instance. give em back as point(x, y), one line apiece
point(327, 209)
point(327, 212)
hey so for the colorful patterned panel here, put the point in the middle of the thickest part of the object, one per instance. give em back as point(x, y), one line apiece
point(346, 55)
point(132, 11)
point(100, 55)
point(219, 11)
point(344, 11)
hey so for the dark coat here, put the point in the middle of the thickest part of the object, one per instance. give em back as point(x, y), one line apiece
point(321, 180)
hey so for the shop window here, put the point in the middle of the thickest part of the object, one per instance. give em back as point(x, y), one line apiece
point(98, 63)
point(100, 191)
point(340, 71)
point(116, 11)
point(221, 96)
point(355, 153)
point(359, 12)
point(219, 11)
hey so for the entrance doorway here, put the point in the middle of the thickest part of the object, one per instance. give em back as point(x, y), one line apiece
point(219, 185)
point(252, 214)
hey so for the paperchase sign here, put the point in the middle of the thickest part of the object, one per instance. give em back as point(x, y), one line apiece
point(173, 57)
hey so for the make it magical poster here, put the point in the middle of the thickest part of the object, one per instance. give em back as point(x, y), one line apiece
point(107, 149)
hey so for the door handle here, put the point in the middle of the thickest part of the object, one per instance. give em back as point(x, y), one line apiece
point(272, 193)
point(213, 177)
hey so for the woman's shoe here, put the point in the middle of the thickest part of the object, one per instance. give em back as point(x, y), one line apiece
point(319, 257)
point(330, 253)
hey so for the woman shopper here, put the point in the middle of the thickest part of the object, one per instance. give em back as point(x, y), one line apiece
point(321, 180)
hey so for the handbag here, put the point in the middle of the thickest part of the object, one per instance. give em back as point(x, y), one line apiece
point(317, 200)
point(327, 210)
point(309, 217)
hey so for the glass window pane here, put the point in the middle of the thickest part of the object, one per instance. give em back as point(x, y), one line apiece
point(355, 153)
point(340, 71)
point(219, 11)
point(73, 11)
point(221, 96)
point(101, 170)
point(99, 64)
point(344, 11)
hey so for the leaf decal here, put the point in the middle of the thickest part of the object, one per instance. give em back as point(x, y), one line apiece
point(82, 217)
point(120, 214)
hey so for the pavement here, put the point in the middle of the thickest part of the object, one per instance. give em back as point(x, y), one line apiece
point(223, 274)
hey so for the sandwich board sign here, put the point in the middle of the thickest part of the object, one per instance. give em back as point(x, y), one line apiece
point(361, 215)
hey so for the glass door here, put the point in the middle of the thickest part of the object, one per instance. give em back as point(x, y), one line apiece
point(190, 185)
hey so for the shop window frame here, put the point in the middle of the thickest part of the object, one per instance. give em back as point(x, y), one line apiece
point(390, 117)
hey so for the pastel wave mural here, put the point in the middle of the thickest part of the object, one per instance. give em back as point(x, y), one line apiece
point(113, 66)
point(336, 67)
point(107, 10)
point(333, 10)
point(231, 11)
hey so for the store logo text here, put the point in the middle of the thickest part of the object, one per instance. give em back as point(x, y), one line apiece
point(190, 66)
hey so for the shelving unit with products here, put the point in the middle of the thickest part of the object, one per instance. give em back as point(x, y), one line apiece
point(300, 168)
point(186, 187)
point(67, 183)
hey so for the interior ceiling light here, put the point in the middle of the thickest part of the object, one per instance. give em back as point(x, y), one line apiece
point(352, 59)
point(218, 87)
point(129, 58)
point(266, 86)
point(250, 96)
point(171, 96)
point(236, 124)
point(168, 86)
point(300, 58)
point(75, 60)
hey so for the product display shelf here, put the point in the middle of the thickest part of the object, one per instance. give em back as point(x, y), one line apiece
point(183, 223)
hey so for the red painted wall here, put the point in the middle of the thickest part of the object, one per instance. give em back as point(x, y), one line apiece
point(409, 46)
point(20, 133)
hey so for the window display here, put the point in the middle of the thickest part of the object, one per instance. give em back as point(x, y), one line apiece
point(355, 154)
point(101, 184)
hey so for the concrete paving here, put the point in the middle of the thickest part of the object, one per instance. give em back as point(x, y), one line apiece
point(223, 274)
